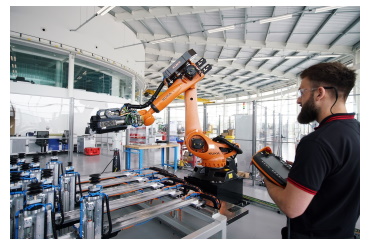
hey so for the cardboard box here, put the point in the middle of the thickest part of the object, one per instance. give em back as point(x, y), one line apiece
point(231, 132)
point(243, 174)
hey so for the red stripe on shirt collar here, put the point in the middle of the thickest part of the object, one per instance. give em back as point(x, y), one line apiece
point(336, 117)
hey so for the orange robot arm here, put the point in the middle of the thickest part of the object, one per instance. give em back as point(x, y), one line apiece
point(213, 152)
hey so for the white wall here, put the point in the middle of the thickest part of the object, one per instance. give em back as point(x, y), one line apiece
point(102, 32)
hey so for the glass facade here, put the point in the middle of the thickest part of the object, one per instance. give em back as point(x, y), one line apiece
point(38, 66)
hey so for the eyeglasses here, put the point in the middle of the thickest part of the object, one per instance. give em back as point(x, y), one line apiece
point(301, 91)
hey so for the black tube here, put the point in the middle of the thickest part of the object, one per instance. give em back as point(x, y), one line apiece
point(79, 184)
point(105, 198)
point(53, 224)
point(62, 169)
point(61, 208)
point(150, 101)
point(45, 223)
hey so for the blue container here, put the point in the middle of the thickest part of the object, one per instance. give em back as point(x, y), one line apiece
point(53, 143)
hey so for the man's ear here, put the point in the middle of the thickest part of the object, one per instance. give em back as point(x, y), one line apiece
point(320, 93)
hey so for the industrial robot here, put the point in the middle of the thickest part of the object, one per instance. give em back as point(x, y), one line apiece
point(217, 172)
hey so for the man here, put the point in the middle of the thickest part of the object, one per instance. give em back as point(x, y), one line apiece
point(322, 196)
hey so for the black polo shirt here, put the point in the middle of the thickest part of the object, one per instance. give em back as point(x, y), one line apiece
point(327, 165)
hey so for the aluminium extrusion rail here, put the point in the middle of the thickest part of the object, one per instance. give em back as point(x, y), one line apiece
point(143, 215)
point(115, 181)
point(74, 215)
point(127, 188)
point(112, 175)
point(217, 223)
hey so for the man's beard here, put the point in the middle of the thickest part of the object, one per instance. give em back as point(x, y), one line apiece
point(308, 112)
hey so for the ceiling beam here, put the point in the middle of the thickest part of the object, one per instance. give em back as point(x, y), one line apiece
point(245, 25)
point(163, 11)
point(253, 55)
point(283, 61)
point(201, 26)
point(269, 24)
point(147, 27)
point(300, 63)
point(192, 40)
point(164, 28)
point(130, 27)
point(216, 64)
point(222, 24)
point(182, 26)
point(237, 54)
point(127, 9)
point(322, 26)
point(295, 25)
point(345, 32)
point(265, 61)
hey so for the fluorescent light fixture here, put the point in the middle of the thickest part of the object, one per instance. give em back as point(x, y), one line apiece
point(319, 10)
point(243, 77)
point(227, 59)
point(105, 10)
point(277, 18)
point(218, 75)
point(161, 41)
point(221, 29)
point(283, 79)
point(324, 56)
point(264, 78)
point(263, 58)
point(295, 57)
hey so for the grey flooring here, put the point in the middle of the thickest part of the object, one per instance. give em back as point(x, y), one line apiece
point(259, 223)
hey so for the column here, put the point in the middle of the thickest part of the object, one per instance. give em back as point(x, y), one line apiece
point(133, 83)
point(115, 86)
point(58, 73)
point(71, 71)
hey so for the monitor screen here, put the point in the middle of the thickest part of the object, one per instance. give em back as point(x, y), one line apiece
point(42, 134)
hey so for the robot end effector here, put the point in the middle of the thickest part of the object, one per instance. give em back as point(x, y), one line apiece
point(114, 119)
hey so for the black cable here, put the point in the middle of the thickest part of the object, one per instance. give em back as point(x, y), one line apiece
point(62, 169)
point(141, 106)
point(53, 224)
point(288, 225)
point(79, 184)
point(61, 208)
point(336, 96)
point(107, 165)
point(45, 223)
point(109, 217)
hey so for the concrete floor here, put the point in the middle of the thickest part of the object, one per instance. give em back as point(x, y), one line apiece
point(259, 223)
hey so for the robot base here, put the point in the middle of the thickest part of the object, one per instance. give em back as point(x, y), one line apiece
point(222, 183)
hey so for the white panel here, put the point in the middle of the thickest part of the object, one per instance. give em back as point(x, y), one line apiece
point(100, 35)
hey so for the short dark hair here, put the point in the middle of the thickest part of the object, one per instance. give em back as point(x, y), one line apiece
point(333, 74)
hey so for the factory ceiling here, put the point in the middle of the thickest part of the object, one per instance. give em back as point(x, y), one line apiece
point(252, 53)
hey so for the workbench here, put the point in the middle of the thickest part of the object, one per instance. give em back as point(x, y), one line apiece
point(139, 149)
